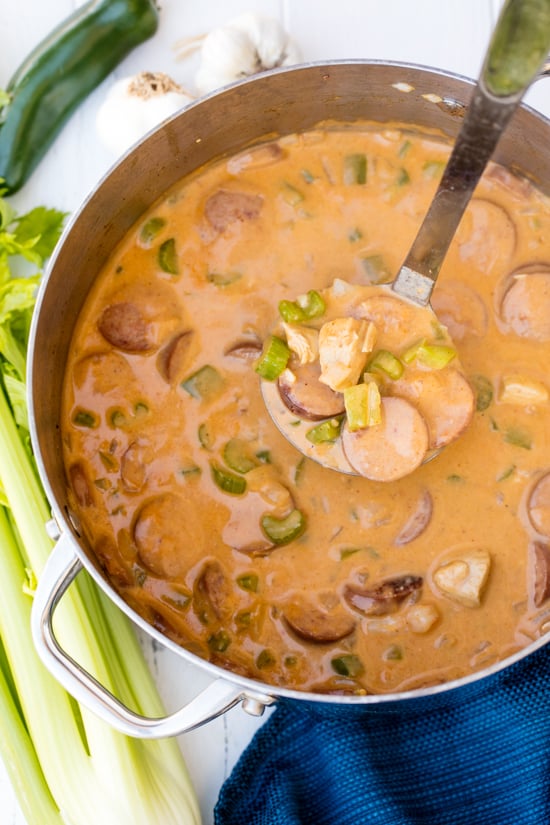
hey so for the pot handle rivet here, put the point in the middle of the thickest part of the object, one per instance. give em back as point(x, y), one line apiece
point(254, 706)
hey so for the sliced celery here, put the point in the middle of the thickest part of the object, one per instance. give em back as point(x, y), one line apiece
point(509, 471)
point(290, 312)
point(483, 390)
point(355, 168)
point(85, 418)
point(284, 530)
point(167, 257)
point(248, 581)
point(410, 354)
point(433, 168)
point(347, 665)
point(291, 194)
point(206, 438)
point(265, 659)
point(223, 278)
point(117, 418)
point(306, 307)
point(363, 405)
point(274, 358)
point(312, 304)
point(393, 653)
point(386, 362)
point(326, 431)
point(435, 356)
point(151, 229)
point(228, 482)
point(519, 438)
point(205, 384)
point(219, 642)
point(403, 177)
point(238, 456)
point(376, 269)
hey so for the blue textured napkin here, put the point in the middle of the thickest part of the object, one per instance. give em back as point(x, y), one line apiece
point(481, 760)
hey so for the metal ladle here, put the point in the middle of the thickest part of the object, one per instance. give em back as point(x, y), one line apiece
point(517, 51)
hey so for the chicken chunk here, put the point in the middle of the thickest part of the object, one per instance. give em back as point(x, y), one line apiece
point(463, 579)
point(303, 341)
point(344, 344)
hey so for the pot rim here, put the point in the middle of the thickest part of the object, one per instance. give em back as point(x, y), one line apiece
point(62, 520)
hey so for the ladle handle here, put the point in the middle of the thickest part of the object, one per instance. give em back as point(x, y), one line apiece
point(518, 48)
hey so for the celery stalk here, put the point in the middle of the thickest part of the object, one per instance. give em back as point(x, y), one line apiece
point(17, 749)
point(16, 743)
point(133, 780)
point(65, 763)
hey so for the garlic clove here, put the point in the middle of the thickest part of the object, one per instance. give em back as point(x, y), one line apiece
point(246, 45)
point(135, 105)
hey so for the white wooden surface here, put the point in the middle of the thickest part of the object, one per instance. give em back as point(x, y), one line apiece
point(441, 33)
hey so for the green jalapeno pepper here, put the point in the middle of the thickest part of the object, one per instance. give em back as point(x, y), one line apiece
point(60, 72)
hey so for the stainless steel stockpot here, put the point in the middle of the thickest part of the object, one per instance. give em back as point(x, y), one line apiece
point(272, 104)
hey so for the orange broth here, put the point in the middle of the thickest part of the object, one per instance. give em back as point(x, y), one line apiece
point(175, 516)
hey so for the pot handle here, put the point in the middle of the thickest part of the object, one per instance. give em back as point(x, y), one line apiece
point(59, 572)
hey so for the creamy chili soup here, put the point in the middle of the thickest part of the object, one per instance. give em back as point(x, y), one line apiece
point(217, 530)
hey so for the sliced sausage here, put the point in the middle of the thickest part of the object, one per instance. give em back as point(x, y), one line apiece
point(109, 556)
point(417, 521)
point(398, 323)
point(525, 306)
point(173, 359)
point(306, 396)
point(384, 597)
point(389, 450)
point(243, 531)
point(123, 325)
point(540, 584)
point(538, 505)
point(164, 528)
point(486, 237)
point(103, 374)
point(444, 398)
point(133, 465)
point(226, 207)
point(141, 316)
point(265, 495)
point(212, 592)
point(245, 349)
point(80, 485)
point(518, 186)
point(315, 625)
point(461, 310)
point(256, 158)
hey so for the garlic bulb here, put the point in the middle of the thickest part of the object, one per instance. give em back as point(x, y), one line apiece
point(244, 46)
point(134, 106)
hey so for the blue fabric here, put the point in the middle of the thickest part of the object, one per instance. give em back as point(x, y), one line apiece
point(482, 758)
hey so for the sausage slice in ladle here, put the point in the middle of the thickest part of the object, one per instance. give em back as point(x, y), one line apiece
point(392, 449)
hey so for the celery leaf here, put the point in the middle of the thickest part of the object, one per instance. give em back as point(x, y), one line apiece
point(38, 232)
